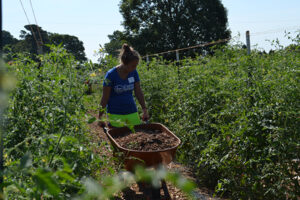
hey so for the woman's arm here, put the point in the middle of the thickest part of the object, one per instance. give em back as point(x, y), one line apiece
point(104, 100)
point(140, 97)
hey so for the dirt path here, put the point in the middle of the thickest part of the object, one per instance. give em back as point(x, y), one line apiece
point(133, 192)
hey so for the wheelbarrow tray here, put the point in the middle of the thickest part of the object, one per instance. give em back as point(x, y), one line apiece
point(145, 158)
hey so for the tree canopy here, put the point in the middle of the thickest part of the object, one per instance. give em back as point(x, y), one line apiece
point(116, 41)
point(8, 39)
point(71, 43)
point(159, 25)
point(28, 37)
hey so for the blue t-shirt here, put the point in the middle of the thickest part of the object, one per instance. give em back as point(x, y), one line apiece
point(121, 100)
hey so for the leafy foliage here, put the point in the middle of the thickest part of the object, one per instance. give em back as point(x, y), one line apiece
point(116, 41)
point(8, 39)
point(45, 124)
point(155, 26)
point(71, 43)
point(27, 43)
point(237, 115)
point(48, 151)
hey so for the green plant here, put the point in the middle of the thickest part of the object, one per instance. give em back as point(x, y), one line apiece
point(46, 117)
point(237, 117)
point(48, 151)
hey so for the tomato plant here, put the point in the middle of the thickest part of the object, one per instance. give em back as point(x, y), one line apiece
point(48, 150)
point(237, 115)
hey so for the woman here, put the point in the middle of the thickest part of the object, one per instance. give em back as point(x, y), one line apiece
point(118, 85)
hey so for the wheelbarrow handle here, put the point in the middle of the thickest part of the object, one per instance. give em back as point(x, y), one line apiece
point(105, 129)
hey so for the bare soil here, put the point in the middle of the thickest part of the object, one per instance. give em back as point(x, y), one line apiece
point(147, 140)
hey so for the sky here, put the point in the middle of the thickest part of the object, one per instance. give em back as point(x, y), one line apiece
point(92, 20)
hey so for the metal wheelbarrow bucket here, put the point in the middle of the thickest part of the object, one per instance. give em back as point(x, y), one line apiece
point(144, 158)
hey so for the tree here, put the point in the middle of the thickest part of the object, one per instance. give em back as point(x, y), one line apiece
point(116, 41)
point(33, 33)
point(159, 25)
point(71, 43)
point(8, 39)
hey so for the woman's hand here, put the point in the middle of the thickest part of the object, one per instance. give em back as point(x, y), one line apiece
point(145, 115)
point(100, 122)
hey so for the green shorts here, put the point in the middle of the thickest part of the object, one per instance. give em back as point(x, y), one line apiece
point(116, 120)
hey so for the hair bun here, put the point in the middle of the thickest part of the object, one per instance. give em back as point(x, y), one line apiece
point(126, 47)
point(128, 54)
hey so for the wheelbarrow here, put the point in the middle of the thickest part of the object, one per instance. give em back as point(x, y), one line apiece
point(133, 158)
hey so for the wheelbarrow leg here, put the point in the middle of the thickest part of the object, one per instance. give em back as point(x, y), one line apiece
point(165, 189)
point(155, 193)
point(150, 192)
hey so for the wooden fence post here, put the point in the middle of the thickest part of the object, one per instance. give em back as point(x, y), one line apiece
point(177, 62)
point(177, 56)
point(248, 42)
point(250, 67)
point(147, 61)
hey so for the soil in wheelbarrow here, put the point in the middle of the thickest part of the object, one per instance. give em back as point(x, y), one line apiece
point(146, 140)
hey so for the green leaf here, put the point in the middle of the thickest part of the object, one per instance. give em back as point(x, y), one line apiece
point(26, 161)
point(219, 186)
point(93, 189)
point(92, 120)
point(188, 186)
point(45, 182)
point(64, 176)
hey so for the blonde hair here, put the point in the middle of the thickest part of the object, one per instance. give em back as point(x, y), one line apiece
point(128, 54)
